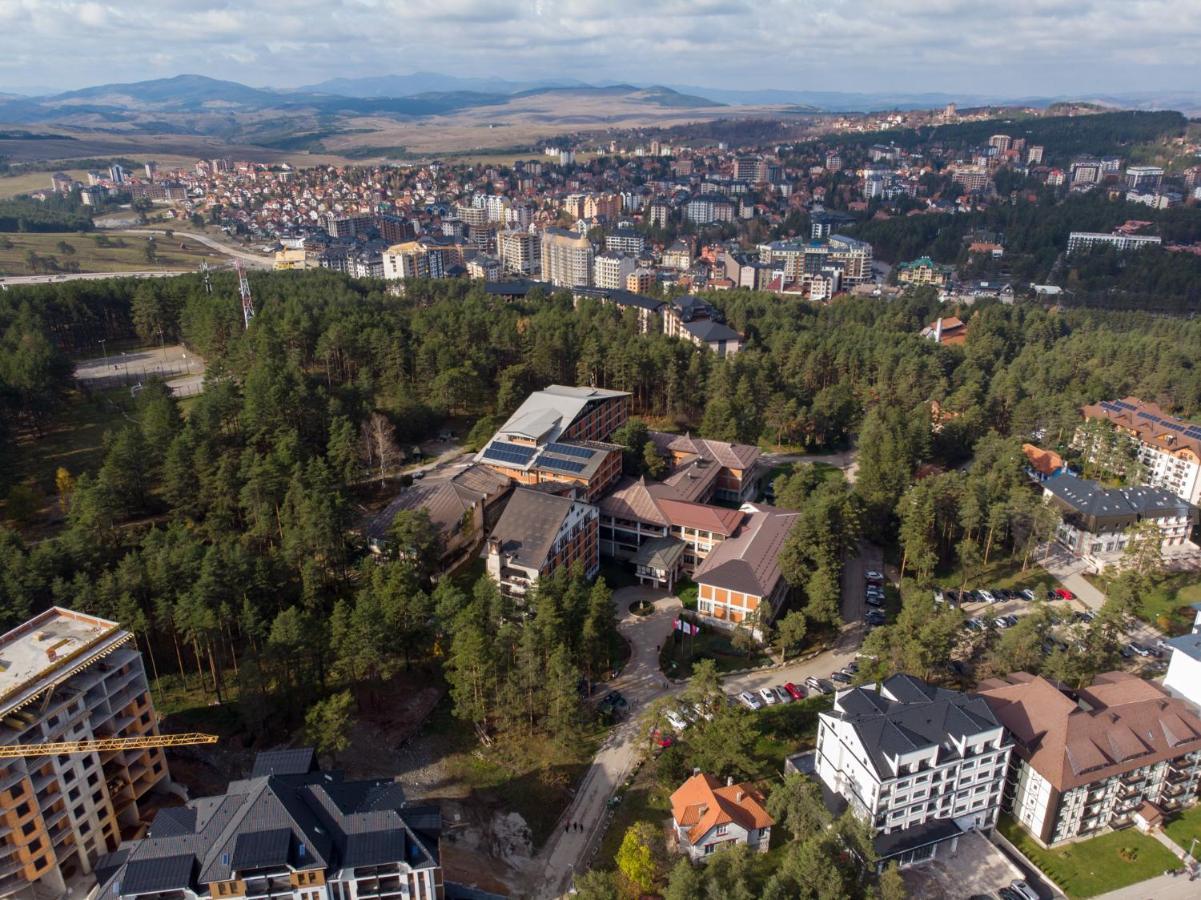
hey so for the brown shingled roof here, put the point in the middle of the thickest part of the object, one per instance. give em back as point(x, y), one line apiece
point(1150, 424)
point(1121, 724)
point(749, 561)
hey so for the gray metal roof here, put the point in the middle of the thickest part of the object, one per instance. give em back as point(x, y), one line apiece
point(295, 761)
point(1188, 644)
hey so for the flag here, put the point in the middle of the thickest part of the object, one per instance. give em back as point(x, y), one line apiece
point(686, 627)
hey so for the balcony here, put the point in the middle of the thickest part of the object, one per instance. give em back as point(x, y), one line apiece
point(1133, 778)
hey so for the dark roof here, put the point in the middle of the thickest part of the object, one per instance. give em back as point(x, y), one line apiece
point(1188, 644)
point(529, 525)
point(164, 873)
point(1098, 506)
point(932, 831)
point(260, 849)
point(285, 762)
point(304, 820)
point(907, 714)
point(620, 297)
point(707, 330)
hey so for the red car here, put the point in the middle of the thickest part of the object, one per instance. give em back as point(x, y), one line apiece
point(793, 691)
point(662, 739)
point(1064, 594)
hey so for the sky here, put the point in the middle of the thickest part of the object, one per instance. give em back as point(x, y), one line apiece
point(1016, 48)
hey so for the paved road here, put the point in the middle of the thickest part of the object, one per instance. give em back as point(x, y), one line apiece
point(17, 280)
point(1162, 887)
point(641, 682)
point(255, 260)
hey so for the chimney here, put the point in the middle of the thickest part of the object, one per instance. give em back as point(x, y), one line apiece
point(729, 781)
point(740, 796)
point(938, 330)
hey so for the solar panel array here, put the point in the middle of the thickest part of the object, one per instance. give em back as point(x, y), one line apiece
point(564, 465)
point(509, 453)
point(570, 450)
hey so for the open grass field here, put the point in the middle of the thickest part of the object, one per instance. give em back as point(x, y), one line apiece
point(1167, 604)
point(1098, 865)
point(12, 185)
point(1002, 572)
point(1185, 828)
point(92, 257)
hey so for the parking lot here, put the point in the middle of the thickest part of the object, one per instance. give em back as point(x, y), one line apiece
point(976, 868)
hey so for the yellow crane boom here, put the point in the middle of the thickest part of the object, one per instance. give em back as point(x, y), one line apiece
point(13, 751)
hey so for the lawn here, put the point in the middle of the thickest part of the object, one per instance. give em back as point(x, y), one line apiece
point(787, 729)
point(87, 252)
point(686, 592)
point(1167, 605)
point(999, 573)
point(677, 658)
point(1184, 828)
point(1097, 865)
point(646, 800)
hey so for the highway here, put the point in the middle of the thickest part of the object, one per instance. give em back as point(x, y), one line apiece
point(251, 259)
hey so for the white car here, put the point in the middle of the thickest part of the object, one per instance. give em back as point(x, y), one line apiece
point(782, 695)
point(677, 721)
point(1023, 890)
point(987, 596)
point(749, 700)
point(872, 575)
point(768, 695)
point(1029, 595)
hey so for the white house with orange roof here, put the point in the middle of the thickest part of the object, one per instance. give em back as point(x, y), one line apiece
point(706, 816)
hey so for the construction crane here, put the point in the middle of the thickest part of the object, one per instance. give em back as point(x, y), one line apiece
point(59, 748)
point(244, 291)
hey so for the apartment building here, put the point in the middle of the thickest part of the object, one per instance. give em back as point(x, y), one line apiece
point(412, 259)
point(520, 251)
point(1183, 678)
point(1096, 520)
point(1144, 178)
point(647, 309)
point(1089, 763)
point(566, 258)
point(972, 178)
point(287, 831)
point(707, 815)
point(921, 764)
point(1169, 448)
point(700, 324)
point(558, 435)
point(741, 581)
point(66, 676)
point(641, 281)
point(539, 533)
point(625, 240)
point(610, 270)
point(1084, 240)
point(854, 256)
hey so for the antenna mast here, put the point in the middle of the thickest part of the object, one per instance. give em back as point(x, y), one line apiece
point(244, 292)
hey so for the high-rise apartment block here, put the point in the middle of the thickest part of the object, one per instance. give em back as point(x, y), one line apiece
point(66, 676)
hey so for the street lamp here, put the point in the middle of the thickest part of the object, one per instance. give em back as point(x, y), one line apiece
point(104, 350)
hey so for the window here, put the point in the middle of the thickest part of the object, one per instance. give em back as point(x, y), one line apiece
point(721, 829)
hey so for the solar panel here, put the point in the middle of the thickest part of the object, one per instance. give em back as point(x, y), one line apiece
point(565, 465)
point(570, 450)
point(509, 452)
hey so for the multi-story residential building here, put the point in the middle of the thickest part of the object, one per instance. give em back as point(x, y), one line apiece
point(659, 214)
point(641, 281)
point(625, 240)
point(539, 533)
point(746, 168)
point(1088, 762)
point(923, 270)
point(66, 676)
point(1034, 155)
point(920, 764)
point(707, 815)
point(341, 226)
point(740, 581)
point(557, 435)
point(1169, 448)
point(566, 258)
point(645, 308)
point(610, 270)
point(1144, 178)
point(854, 256)
point(709, 208)
point(678, 255)
point(1096, 520)
point(288, 831)
point(695, 321)
point(412, 259)
point(1002, 142)
point(1087, 171)
point(973, 178)
point(520, 251)
point(484, 267)
point(1083, 240)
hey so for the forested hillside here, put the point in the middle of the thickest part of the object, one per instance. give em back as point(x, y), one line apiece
point(222, 536)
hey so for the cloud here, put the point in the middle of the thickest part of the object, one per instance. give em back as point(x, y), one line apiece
point(1024, 46)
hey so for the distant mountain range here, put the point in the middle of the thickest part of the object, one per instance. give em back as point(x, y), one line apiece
point(345, 113)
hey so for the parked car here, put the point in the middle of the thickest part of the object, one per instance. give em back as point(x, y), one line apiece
point(1064, 594)
point(1023, 890)
point(793, 691)
point(1029, 595)
point(782, 695)
point(1001, 622)
point(840, 677)
point(768, 695)
point(1052, 595)
point(749, 700)
point(987, 596)
point(662, 739)
point(873, 575)
point(677, 721)
point(1138, 649)
point(851, 667)
point(702, 712)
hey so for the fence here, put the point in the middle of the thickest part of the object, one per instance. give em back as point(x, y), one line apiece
point(123, 374)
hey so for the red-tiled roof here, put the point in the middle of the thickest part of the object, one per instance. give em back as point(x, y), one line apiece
point(702, 802)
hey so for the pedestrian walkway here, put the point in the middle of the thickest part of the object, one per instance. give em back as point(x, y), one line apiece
point(1161, 887)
